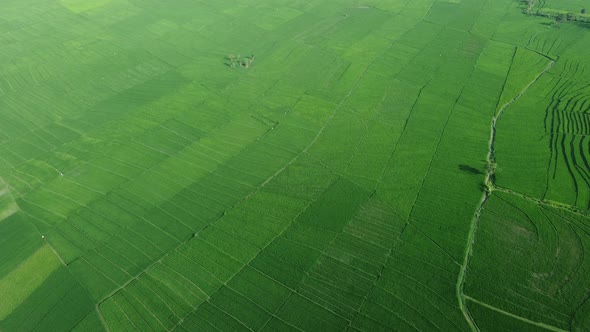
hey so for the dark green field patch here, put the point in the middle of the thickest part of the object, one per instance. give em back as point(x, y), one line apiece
point(335, 207)
point(58, 304)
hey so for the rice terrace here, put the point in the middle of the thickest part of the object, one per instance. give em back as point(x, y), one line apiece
point(302, 165)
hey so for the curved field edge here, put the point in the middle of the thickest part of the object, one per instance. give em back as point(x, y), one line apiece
point(525, 310)
point(317, 183)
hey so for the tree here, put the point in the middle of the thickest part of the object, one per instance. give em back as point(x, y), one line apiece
point(560, 18)
point(233, 60)
point(571, 17)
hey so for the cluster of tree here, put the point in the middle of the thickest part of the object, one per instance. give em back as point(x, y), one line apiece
point(559, 17)
point(233, 60)
point(570, 17)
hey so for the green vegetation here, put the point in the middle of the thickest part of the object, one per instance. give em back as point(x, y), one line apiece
point(22, 281)
point(233, 61)
point(536, 251)
point(378, 165)
point(560, 10)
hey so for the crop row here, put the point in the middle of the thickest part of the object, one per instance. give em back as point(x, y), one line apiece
point(529, 260)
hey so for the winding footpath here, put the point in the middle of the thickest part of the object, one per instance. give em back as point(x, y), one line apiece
point(490, 186)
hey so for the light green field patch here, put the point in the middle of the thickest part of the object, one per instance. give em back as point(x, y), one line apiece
point(273, 17)
point(162, 27)
point(79, 6)
point(7, 204)
point(16, 286)
point(525, 65)
point(563, 6)
point(265, 17)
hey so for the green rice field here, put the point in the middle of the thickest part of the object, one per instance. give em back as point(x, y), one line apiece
point(303, 165)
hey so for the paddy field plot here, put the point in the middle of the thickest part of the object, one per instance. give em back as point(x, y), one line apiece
point(296, 165)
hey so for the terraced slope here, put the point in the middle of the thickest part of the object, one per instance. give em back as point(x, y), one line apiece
point(380, 165)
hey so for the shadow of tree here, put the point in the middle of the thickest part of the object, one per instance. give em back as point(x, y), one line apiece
point(470, 169)
point(581, 24)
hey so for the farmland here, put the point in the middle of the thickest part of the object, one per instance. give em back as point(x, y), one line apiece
point(303, 165)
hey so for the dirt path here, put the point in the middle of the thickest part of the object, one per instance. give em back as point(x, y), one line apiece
point(541, 325)
point(490, 186)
